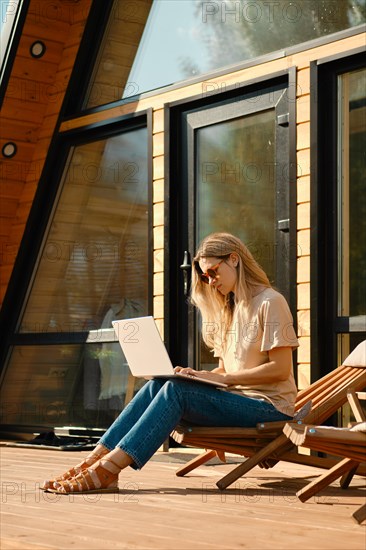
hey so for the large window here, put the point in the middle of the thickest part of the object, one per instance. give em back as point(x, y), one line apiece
point(351, 222)
point(66, 367)
point(351, 194)
point(149, 44)
point(95, 256)
point(339, 227)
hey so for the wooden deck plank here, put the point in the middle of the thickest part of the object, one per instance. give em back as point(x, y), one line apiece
point(156, 509)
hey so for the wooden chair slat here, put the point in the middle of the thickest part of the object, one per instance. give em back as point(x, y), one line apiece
point(312, 391)
point(325, 479)
point(353, 399)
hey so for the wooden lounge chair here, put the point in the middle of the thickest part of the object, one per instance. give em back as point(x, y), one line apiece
point(342, 442)
point(266, 444)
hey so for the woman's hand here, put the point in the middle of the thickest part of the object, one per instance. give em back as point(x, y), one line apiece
point(182, 369)
point(206, 374)
point(185, 370)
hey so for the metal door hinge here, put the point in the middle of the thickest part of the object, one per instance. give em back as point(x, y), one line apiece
point(283, 225)
point(283, 120)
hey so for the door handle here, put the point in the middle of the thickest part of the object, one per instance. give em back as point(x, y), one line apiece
point(185, 267)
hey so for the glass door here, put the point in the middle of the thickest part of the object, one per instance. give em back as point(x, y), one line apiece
point(237, 168)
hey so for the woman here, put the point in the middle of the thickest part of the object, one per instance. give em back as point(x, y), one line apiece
point(249, 326)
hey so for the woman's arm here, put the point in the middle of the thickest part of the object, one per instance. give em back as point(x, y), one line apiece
point(278, 368)
point(220, 369)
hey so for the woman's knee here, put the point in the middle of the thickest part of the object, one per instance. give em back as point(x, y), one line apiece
point(151, 388)
point(175, 387)
point(170, 386)
point(154, 385)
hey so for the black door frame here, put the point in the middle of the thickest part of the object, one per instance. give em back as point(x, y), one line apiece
point(177, 323)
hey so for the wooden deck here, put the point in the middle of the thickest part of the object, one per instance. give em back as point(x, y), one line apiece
point(156, 509)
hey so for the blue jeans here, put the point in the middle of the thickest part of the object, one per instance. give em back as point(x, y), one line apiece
point(162, 403)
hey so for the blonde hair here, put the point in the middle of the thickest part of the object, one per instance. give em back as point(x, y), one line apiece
point(217, 310)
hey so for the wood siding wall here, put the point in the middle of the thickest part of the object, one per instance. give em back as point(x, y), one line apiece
point(30, 111)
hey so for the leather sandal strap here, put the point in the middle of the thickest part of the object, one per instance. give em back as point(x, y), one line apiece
point(77, 484)
point(104, 475)
point(72, 472)
point(98, 455)
point(85, 481)
point(115, 464)
point(68, 485)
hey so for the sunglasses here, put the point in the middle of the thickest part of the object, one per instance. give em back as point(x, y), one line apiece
point(211, 273)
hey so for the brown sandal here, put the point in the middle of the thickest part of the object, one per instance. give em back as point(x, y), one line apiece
point(86, 463)
point(97, 479)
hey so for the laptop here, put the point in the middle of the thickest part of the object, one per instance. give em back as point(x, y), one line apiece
point(145, 351)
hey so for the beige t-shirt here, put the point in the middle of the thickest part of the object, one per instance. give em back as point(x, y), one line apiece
point(269, 326)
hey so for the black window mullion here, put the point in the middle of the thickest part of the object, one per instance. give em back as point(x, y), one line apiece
point(78, 337)
point(350, 324)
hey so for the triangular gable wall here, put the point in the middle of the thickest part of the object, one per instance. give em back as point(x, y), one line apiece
point(33, 99)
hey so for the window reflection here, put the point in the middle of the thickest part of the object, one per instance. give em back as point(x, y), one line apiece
point(111, 80)
point(65, 385)
point(94, 263)
point(351, 194)
point(236, 191)
point(236, 183)
point(149, 44)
